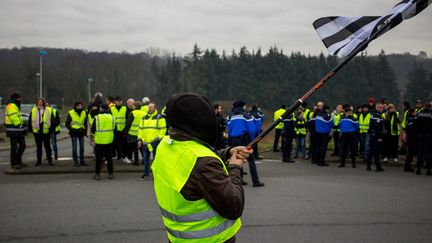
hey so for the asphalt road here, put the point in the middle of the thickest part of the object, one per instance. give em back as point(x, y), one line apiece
point(300, 203)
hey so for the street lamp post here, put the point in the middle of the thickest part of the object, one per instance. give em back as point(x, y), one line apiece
point(41, 54)
point(37, 83)
point(89, 90)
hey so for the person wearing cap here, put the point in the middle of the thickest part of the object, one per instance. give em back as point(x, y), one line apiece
point(323, 127)
point(364, 122)
point(258, 117)
point(392, 133)
point(376, 127)
point(241, 130)
point(278, 128)
point(119, 113)
point(15, 130)
point(198, 190)
point(423, 125)
point(103, 129)
point(349, 127)
point(371, 103)
point(145, 103)
point(418, 106)
point(76, 121)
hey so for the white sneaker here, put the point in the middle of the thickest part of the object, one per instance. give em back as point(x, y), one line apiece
point(395, 160)
point(126, 160)
point(385, 159)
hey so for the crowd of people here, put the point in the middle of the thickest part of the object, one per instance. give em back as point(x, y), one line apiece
point(112, 129)
point(371, 132)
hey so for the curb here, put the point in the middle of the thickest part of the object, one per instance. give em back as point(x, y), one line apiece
point(15, 172)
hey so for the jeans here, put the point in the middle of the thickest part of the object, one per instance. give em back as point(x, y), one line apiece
point(54, 144)
point(300, 146)
point(365, 144)
point(145, 152)
point(81, 148)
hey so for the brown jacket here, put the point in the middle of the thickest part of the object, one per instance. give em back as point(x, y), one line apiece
point(224, 193)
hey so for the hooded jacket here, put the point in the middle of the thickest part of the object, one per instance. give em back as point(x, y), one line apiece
point(207, 180)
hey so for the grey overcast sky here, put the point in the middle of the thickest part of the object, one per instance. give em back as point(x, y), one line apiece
point(176, 25)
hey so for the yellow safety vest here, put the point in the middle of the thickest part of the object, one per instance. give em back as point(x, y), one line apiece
point(46, 120)
point(364, 122)
point(138, 116)
point(120, 117)
point(105, 125)
point(13, 115)
point(90, 120)
point(152, 127)
point(300, 130)
point(77, 120)
point(57, 129)
point(307, 114)
point(336, 120)
point(397, 131)
point(404, 120)
point(186, 221)
point(276, 116)
point(145, 109)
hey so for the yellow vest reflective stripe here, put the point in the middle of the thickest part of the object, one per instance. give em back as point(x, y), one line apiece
point(186, 220)
point(13, 115)
point(105, 125)
point(138, 116)
point(152, 127)
point(120, 117)
point(276, 116)
point(364, 122)
point(77, 120)
point(46, 119)
point(57, 129)
point(307, 114)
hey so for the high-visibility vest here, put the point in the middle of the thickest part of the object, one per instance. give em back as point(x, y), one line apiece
point(276, 116)
point(90, 120)
point(364, 122)
point(336, 120)
point(77, 120)
point(138, 116)
point(46, 120)
point(120, 117)
point(13, 115)
point(152, 127)
point(404, 119)
point(300, 127)
point(397, 131)
point(14, 122)
point(307, 114)
point(186, 221)
point(145, 109)
point(105, 125)
point(57, 129)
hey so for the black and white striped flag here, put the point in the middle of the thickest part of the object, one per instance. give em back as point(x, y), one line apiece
point(341, 35)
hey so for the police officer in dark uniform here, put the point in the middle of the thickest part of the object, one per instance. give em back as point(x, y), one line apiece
point(376, 127)
point(349, 128)
point(411, 138)
point(241, 131)
point(423, 125)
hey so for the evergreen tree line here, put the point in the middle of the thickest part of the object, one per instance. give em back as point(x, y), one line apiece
point(268, 79)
